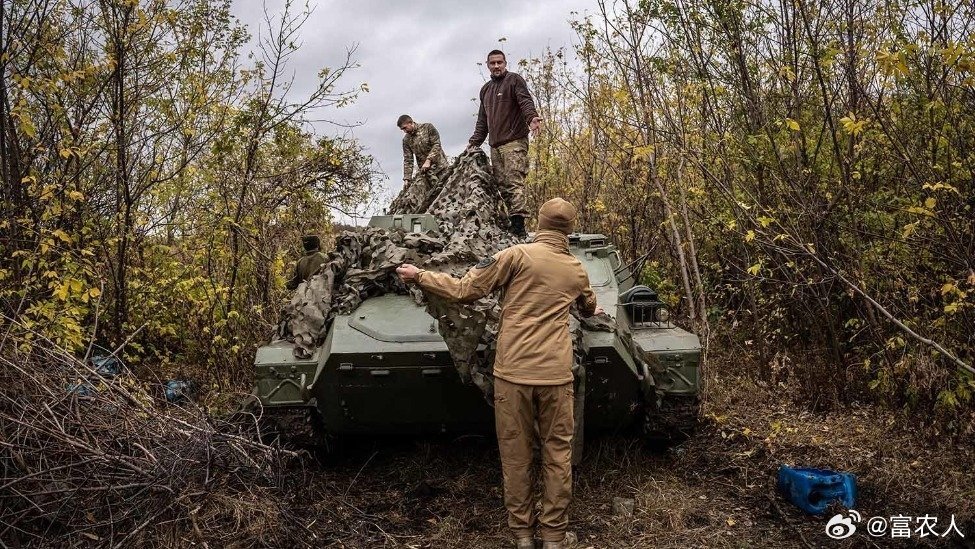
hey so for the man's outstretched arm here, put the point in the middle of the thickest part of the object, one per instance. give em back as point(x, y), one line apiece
point(489, 275)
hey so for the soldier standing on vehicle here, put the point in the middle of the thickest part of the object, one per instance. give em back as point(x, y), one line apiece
point(533, 364)
point(423, 142)
point(309, 263)
point(507, 113)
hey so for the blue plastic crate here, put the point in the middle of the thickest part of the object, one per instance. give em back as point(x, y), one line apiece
point(812, 490)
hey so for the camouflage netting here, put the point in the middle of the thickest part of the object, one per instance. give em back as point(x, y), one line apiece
point(465, 200)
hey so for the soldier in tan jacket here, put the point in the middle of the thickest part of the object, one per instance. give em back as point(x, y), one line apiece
point(533, 365)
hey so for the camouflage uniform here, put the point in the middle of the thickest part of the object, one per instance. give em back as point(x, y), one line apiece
point(424, 143)
point(510, 163)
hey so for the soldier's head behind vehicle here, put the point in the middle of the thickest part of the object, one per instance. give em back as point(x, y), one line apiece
point(557, 215)
point(405, 123)
point(311, 243)
point(497, 63)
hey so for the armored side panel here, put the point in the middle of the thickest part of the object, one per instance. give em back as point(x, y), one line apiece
point(282, 379)
point(389, 371)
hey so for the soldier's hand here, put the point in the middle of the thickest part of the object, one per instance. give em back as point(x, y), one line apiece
point(535, 125)
point(406, 182)
point(473, 148)
point(599, 311)
point(407, 272)
point(425, 166)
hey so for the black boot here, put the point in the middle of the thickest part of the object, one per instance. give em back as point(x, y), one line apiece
point(518, 226)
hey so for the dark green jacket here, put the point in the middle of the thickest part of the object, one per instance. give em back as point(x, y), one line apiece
point(306, 267)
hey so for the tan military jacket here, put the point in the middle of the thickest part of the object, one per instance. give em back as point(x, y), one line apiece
point(425, 144)
point(540, 281)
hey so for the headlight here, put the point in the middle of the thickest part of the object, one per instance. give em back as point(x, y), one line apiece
point(663, 315)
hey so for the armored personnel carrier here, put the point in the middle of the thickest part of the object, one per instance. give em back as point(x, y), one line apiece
point(385, 368)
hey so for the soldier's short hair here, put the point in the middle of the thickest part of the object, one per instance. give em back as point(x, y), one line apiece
point(497, 52)
point(403, 119)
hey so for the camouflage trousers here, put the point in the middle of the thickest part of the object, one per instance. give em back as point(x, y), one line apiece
point(519, 412)
point(510, 162)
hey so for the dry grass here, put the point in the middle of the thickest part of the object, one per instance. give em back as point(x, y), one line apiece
point(120, 469)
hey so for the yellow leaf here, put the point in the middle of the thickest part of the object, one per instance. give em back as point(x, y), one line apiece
point(901, 65)
point(753, 270)
point(61, 292)
point(62, 235)
point(909, 230)
point(853, 126)
point(948, 287)
point(792, 124)
point(919, 211)
point(65, 153)
point(642, 153)
point(939, 186)
point(28, 128)
point(749, 236)
point(930, 203)
point(76, 195)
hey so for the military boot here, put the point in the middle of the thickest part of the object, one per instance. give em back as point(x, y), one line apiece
point(518, 226)
point(568, 541)
point(525, 543)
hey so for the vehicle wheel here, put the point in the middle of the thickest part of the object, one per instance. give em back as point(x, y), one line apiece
point(672, 421)
point(299, 427)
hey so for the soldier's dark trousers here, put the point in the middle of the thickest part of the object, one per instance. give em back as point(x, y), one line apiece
point(510, 163)
point(517, 408)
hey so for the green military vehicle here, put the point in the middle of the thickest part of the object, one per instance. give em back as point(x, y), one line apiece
point(385, 369)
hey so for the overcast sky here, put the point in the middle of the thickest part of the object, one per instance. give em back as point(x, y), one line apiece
point(418, 58)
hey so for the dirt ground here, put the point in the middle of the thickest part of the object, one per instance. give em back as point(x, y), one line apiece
point(715, 490)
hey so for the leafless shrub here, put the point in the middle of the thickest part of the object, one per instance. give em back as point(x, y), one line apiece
point(89, 460)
